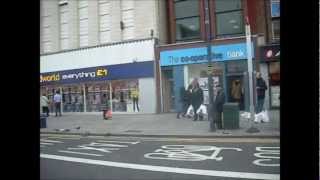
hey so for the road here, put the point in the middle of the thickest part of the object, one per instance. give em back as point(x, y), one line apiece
point(75, 157)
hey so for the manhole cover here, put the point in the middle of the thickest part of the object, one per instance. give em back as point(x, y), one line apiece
point(136, 131)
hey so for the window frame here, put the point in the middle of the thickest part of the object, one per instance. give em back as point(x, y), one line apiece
point(272, 20)
point(214, 32)
point(174, 22)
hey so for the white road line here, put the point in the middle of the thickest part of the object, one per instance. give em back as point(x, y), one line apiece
point(50, 141)
point(119, 142)
point(43, 143)
point(72, 152)
point(199, 172)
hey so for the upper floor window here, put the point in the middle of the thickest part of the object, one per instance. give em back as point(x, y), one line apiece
point(229, 18)
point(187, 19)
point(275, 19)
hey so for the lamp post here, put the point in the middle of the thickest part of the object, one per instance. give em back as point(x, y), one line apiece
point(210, 80)
point(252, 129)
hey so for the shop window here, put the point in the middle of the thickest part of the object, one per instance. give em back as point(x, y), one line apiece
point(187, 20)
point(229, 18)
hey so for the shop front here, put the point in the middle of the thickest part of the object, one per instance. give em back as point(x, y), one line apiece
point(179, 66)
point(91, 89)
point(270, 64)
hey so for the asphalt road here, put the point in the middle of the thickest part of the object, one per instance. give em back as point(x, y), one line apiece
point(115, 158)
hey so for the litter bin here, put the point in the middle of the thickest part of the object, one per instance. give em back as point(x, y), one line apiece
point(43, 121)
point(231, 116)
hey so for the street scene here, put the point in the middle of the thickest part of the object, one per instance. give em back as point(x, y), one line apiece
point(159, 89)
point(78, 157)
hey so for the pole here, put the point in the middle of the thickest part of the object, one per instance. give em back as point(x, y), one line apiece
point(250, 73)
point(210, 81)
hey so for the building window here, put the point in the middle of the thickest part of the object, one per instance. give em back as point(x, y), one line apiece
point(104, 21)
point(64, 29)
point(275, 19)
point(83, 23)
point(187, 19)
point(127, 23)
point(45, 33)
point(229, 18)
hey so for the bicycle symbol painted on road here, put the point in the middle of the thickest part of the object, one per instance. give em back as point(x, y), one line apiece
point(187, 153)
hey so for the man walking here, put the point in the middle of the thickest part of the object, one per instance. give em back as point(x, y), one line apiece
point(261, 89)
point(57, 102)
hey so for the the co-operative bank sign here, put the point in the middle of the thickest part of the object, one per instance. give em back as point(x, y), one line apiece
point(199, 55)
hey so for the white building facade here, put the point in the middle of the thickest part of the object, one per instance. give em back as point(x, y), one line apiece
point(96, 53)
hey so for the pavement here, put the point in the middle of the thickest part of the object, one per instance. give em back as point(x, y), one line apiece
point(137, 158)
point(165, 124)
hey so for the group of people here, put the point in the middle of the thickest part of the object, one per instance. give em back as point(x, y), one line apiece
point(44, 103)
point(193, 97)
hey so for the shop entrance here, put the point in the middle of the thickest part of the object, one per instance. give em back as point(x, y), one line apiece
point(168, 91)
point(235, 89)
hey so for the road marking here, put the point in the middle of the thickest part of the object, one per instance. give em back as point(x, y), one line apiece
point(72, 152)
point(186, 153)
point(199, 172)
point(119, 142)
point(50, 141)
point(42, 146)
point(43, 143)
point(267, 154)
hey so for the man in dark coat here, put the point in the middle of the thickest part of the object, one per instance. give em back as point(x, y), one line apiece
point(218, 105)
point(196, 99)
point(185, 99)
point(261, 89)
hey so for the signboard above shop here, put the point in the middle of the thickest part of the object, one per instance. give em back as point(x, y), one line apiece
point(101, 73)
point(199, 55)
point(270, 53)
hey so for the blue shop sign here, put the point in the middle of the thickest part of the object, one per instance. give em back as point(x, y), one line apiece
point(101, 73)
point(199, 55)
point(275, 9)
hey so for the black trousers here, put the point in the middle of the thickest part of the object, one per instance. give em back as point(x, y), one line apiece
point(58, 108)
point(218, 119)
point(135, 102)
point(45, 109)
point(195, 108)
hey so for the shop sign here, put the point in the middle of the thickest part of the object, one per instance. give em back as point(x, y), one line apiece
point(123, 71)
point(56, 77)
point(270, 53)
point(199, 55)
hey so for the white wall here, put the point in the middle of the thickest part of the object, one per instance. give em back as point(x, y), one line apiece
point(147, 95)
point(99, 56)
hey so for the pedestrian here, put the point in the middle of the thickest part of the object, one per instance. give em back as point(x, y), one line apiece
point(135, 98)
point(44, 102)
point(184, 100)
point(261, 89)
point(218, 105)
point(196, 99)
point(57, 102)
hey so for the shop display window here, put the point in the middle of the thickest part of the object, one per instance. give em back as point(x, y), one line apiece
point(97, 96)
point(122, 99)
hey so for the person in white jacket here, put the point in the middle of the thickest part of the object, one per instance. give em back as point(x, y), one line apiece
point(44, 103)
